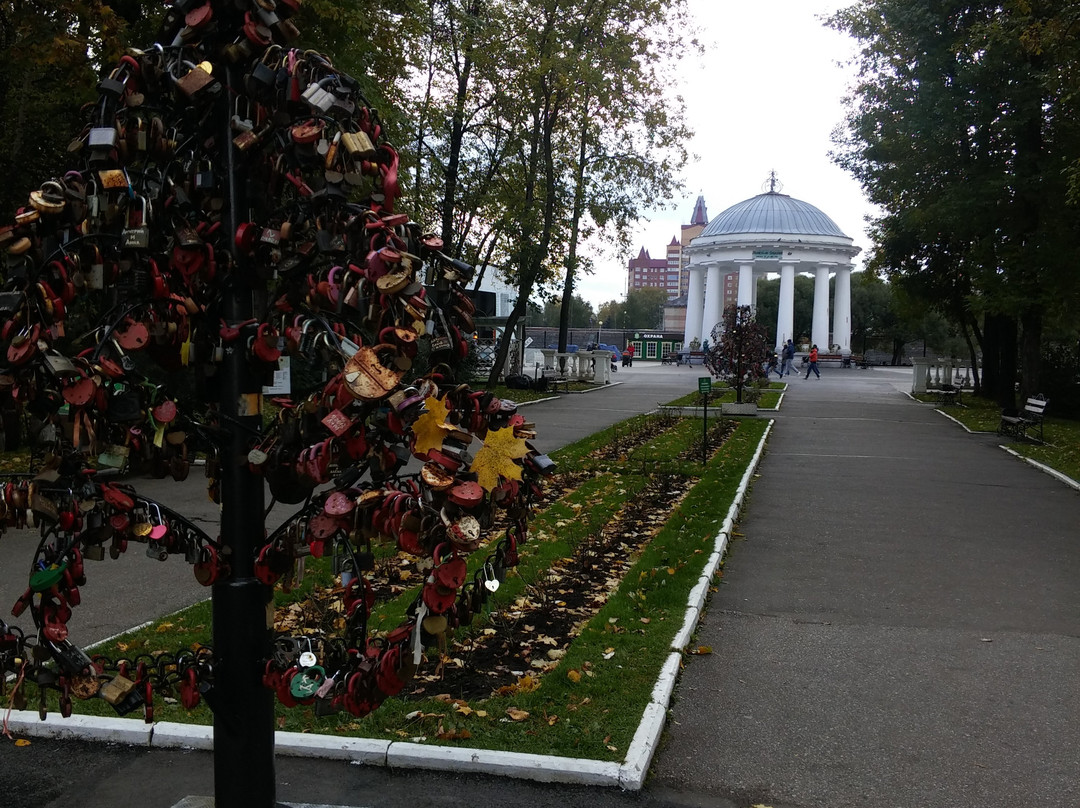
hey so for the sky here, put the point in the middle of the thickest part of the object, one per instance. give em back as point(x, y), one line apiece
point(765, 96)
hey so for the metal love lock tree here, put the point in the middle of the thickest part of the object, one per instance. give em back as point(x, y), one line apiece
point(233, 200)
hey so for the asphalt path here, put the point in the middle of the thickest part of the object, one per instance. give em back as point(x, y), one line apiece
point(898, 625)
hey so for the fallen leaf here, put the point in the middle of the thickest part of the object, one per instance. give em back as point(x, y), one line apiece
point(430, 428)
point(573, 675)
point(163, 627)
point(516, 714)
point(22, 742)
point(496, 458)
point(552, 720)
point(700, 650)
point(646, 620)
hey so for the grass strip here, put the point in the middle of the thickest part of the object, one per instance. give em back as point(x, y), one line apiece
point(591, 703)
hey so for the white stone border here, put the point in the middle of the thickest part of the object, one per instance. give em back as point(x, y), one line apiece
point(629, 775)
point(1057, 475)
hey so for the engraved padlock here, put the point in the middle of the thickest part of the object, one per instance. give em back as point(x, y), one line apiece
point(136, 234)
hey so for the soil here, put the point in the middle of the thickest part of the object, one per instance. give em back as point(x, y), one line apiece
point(528, 637)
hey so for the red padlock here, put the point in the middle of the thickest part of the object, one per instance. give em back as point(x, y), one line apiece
point(265, 345)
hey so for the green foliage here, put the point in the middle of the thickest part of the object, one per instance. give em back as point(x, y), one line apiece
point(581, 313)
point(961, 128)
point(644, 308)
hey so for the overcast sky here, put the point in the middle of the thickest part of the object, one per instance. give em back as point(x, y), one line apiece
point(765, 96)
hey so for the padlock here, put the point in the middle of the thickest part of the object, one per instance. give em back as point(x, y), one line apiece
point(204, 175)
point(198, 80)
point(136, 235)
point(260, 82)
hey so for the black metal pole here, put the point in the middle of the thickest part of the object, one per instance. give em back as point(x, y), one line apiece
point(243, 708)
point(704, 428)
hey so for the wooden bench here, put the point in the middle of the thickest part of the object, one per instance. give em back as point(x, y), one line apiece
point(948, 394)
point(1019, 423)
point(844, 360)
point(669, 359)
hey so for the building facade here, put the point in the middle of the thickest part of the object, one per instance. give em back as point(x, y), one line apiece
point(771, 233)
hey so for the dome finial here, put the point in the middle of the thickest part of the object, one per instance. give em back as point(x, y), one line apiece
point(775, 186)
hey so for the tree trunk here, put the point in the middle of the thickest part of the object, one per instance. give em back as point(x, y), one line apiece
point(575, 228)
point(1031, 354)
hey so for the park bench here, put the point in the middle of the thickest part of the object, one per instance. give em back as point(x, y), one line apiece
point(844, 360)
point(669, 358)
point(690, 358)
point(948, 394)
point(1018, 423)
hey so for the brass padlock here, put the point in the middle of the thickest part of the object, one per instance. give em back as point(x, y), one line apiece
point(197, 80)
point(117, 690)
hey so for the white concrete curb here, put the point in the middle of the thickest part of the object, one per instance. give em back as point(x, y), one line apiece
point(83, 727)
point(1057, 475)
point(171, 735)
point(542, 768)
point(629, 775)
point(643, 747)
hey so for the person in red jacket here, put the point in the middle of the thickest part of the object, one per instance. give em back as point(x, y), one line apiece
point(813, 363)
point(630, 354)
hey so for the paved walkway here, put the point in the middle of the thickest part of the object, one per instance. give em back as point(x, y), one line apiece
point(899, 626)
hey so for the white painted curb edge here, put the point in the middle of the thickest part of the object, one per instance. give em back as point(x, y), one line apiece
point(630, 775)
point(643, 747)
point(1057, 475)
point(82, 727)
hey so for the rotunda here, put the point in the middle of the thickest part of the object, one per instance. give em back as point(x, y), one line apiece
point(772, 233)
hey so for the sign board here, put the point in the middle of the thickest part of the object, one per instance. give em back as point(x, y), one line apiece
point(768, 255)
point(528, 342)
point(704, 385)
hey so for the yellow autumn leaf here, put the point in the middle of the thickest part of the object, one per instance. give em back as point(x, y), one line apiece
point(573, 675)
point(701, 650)
point(516, 714)
point(22, 742)
point(430, 428)
point(552, 720)
point(496, 457)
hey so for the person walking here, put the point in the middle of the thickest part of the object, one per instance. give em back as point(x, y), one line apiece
point(787, 354)
point(630, 354)
point(813, 363)
point(771, 366)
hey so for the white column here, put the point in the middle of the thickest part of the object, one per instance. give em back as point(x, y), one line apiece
point(842, 309)
point(819, 332)
point(754, 286)
point(695, 305)
point(747, 287)
point(785, 314)
point(714, 302)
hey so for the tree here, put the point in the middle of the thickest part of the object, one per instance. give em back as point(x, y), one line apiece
point(644, 308)
point(202, 254)
point(737, 349)
point(959, 129)
point(581, 313)
point(610, 314)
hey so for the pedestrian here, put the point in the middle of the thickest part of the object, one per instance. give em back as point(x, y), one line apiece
point(772, 365)
point(813, 363)
point(788, 355)
point(630, 354)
